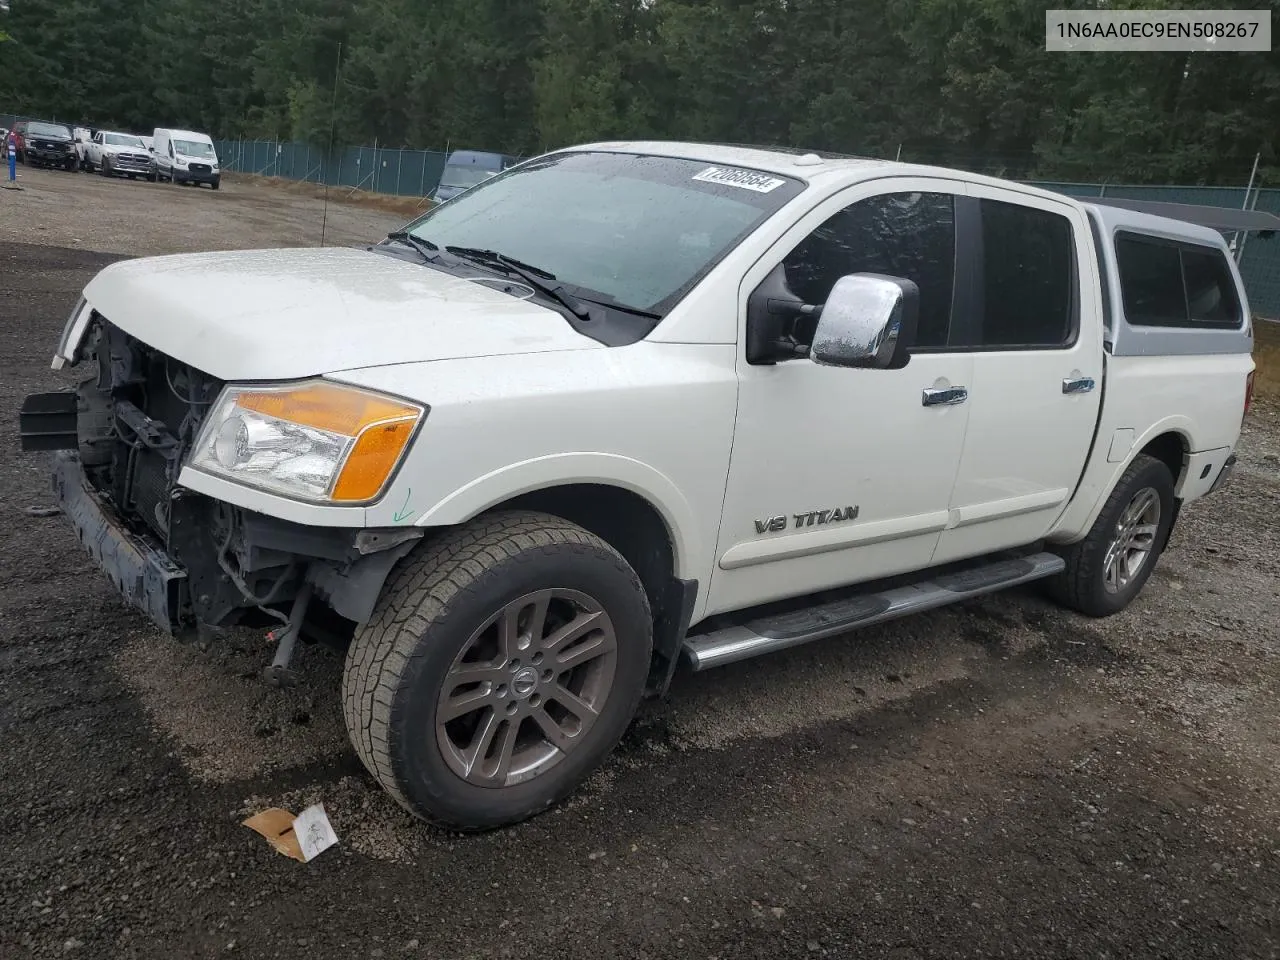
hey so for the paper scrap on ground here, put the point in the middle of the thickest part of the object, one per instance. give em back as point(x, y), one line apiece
point(314, 832)
point(302, 837)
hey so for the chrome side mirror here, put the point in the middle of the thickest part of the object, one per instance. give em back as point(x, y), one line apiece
point(869, 320)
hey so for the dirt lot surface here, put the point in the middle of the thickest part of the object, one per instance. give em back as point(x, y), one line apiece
point(1000, 779)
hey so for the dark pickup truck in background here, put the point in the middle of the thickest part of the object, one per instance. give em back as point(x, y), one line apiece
point(40, 143)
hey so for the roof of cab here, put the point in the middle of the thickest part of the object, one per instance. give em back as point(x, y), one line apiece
point(783, 160)
point(811, 165)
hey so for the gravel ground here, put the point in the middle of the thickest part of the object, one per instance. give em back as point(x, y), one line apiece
point(998, 779)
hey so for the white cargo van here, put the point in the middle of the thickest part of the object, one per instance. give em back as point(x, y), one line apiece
point(184, 156)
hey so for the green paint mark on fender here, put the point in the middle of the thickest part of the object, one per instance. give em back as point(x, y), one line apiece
point(403, 512)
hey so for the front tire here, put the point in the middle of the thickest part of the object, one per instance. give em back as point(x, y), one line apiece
point(1109, 567)
point(501, 667)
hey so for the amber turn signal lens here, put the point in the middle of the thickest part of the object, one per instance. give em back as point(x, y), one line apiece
point(372, 459)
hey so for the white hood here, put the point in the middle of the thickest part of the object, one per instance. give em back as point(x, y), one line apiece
point(297, 312)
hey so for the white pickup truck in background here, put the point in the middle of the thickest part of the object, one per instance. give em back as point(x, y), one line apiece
point(629, 403)
point(115, 153)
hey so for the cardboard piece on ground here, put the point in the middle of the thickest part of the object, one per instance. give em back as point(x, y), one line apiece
point(302, 837)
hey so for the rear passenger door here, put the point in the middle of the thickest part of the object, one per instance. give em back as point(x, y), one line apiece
point(1034, 330)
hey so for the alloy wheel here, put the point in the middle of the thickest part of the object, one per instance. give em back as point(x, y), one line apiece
point(1134, 540)
point(526, 687)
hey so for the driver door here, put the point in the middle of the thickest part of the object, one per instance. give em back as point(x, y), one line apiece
point(841, 475)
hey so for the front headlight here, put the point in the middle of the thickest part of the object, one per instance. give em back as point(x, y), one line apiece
point(317, 441)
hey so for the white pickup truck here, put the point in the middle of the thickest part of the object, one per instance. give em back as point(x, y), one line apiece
point(626, 404)
point(114, 153)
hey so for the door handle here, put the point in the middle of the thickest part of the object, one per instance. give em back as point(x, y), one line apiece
point(1077, 384)
point(934, 396)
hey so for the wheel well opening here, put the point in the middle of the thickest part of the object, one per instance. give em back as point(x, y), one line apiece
point(625, 520)
point(1170, 449)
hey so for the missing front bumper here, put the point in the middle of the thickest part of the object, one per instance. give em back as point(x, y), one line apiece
point(145, 576)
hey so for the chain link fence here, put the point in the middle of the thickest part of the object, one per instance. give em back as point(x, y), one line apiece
point(399, 172)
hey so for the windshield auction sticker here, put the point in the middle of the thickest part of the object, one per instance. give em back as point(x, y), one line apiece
point(746, 179)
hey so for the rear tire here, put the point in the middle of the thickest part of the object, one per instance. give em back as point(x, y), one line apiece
point(1109, 567)
point(458, 696)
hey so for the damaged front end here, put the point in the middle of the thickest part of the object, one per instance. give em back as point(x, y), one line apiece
point(191, 562)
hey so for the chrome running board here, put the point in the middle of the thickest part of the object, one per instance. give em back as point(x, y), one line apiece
point(777, 632)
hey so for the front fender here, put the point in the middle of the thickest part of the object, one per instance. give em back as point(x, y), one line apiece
point(541, 473)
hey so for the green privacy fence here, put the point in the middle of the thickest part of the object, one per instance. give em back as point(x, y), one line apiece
point(416, 173)
point(404, 173)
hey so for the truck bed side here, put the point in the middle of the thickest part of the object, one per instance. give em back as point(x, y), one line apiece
point(1173, 389)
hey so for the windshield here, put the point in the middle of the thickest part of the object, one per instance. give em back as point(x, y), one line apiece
point(123, 140)
point(193, 148)
point(48, 130)
point(464, 176)
point(636, 230)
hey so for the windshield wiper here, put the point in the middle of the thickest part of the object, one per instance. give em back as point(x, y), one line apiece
point(625, 308)
point(529, 274)
point(425, 247)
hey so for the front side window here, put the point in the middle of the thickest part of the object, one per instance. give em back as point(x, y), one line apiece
point(622, 229)
point(908, 235)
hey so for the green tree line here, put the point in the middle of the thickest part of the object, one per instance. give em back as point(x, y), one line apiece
point(959, 82)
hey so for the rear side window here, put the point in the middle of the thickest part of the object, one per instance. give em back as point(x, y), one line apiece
point(1168, 284)
point(1028, 266)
